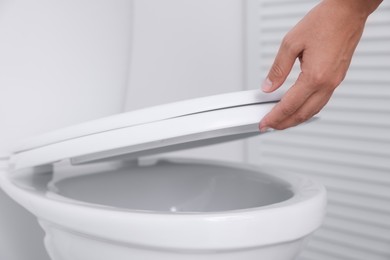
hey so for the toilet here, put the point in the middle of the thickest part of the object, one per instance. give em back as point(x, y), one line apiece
point(102, 190)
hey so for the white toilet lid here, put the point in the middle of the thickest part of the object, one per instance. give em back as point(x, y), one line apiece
point(158, 129)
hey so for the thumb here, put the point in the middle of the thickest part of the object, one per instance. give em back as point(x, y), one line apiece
point(281, 67)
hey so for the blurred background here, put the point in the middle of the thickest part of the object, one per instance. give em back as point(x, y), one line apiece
point(348, 149)
point(180, 49)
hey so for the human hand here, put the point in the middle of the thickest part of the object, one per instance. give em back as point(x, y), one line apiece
point(324, 42)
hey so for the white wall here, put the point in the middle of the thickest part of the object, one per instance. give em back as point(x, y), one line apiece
point(66, 62)
point(61, 63)
point(187, 49)
point(179, 49)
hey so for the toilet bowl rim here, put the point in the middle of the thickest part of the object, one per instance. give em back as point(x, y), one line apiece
point(296, 216)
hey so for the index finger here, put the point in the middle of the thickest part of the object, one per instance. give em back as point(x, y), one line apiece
point(294, 98)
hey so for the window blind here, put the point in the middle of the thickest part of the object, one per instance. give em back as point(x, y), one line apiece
point(348, 148)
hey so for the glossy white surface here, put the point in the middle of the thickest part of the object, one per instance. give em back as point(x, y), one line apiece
point(165, 187)
point(105, 222)
point(18, 229)
point(151, 115)
point(169, 127)
point(84, 247)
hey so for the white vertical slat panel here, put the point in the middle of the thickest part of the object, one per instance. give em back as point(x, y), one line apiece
point(348, 149)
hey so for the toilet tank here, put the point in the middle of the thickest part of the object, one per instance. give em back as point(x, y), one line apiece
point(61, 63)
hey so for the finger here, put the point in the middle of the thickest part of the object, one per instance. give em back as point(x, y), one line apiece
point(294, 98)
point(282, 65)
point(311, 107)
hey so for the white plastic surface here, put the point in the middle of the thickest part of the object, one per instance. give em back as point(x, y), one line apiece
point(241, 229)
point(188, 121)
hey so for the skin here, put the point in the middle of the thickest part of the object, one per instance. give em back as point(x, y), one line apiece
point(324, 42)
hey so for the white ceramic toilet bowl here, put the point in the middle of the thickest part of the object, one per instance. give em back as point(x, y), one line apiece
point(169, 209)
point(99, 195)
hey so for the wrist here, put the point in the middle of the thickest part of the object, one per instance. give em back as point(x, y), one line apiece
point(362, 8)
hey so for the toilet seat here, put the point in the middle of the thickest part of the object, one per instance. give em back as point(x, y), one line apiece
point(118, 142)
point(169, 127)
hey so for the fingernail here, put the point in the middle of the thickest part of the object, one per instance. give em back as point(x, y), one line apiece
point(263, 129)
point(266, 130)
point(267, 85)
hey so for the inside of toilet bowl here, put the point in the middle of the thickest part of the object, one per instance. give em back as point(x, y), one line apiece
point(176, 187)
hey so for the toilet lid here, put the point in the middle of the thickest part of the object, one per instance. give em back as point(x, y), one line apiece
point(163, 128)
